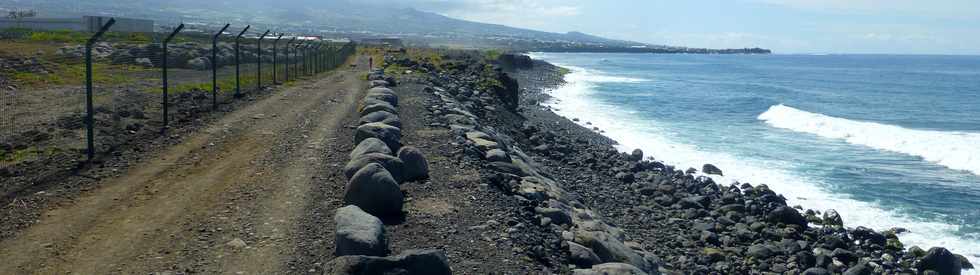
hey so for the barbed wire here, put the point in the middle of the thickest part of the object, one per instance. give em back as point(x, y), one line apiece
point(42, 86)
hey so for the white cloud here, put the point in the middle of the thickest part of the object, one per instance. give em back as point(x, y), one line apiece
point(958, 9)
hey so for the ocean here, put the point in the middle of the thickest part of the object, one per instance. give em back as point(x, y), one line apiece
point(886, 140)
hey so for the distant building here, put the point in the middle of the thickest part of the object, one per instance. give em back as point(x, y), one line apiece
point(86, 23)
point(390, 42)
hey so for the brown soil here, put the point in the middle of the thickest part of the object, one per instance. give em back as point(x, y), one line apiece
point(247, 176)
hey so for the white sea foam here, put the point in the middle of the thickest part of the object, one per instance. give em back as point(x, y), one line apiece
point(584, 75)
point(955, 150)
point(574, 100)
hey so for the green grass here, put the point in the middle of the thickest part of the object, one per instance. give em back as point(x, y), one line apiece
point(225, 85)
point(488, 79)
point(64, 36)
point(426, 55)
point(395, 69)
point(25, 154)
point(74, 74)
point(74, 37)
point(491, 55)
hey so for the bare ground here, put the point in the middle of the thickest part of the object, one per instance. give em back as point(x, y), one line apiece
point(247, 177)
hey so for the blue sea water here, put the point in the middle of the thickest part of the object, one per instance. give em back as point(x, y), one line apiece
point(887, 141)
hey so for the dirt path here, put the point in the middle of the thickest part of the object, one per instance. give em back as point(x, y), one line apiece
point(227, 200)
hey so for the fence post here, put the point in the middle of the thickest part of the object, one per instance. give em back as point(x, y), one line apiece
point(306, 48)
point(275, 61)
point(319, 58)
point(295, 49)
point(313, 48)
point(287, 57)
point(214, 68)
point(296, 59)
point(166, 102)
point(297, 69)
point(259, 54)
point(89, 109)
point(238, 80)
point(333, 58)
point(306, 59)
point(313, 54)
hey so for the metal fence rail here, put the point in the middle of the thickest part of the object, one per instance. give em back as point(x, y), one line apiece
point(72, 98)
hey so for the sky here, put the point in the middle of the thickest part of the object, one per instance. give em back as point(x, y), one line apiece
point(785, 26)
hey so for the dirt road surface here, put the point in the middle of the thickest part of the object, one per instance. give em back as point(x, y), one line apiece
point(229, 199)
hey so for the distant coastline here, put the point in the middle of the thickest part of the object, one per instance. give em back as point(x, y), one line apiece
point(667, 50)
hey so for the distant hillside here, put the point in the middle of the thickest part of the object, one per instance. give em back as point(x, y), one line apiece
point(349, 18)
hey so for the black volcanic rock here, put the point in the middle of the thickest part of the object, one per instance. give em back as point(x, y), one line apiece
point(940, 260)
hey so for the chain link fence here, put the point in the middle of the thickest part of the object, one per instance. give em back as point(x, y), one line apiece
point(44, 128)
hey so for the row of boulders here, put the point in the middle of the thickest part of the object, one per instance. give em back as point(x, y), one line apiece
point(593, 246)
point(378, 164)
point(188, 55)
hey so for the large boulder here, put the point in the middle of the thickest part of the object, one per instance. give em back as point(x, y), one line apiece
point(388, 134)
point(427, 262)
point(711, 169)
point(786, 215)
point(860, 269)
point(581, 256)
point(391, 81)
point(378, 83)
point(381, 116)
point(759, 252)
point(816, 271)
point(378, 106)
point(482, 141)
point(556, 215)
point(368, 146)
point(832, 218)
point(940, 260)
point(497, 155)
point(359, 233)
point(143, 61)
point(381, 90)
point(610, 249)
point(636, 155)
point(416, 167)
point(383, 94)
point(376, 99)
point(394, 165)
point(612, 269)
point(200, 63)
point(374, 190)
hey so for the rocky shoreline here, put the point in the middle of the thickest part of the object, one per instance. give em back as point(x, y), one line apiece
point(610, 212)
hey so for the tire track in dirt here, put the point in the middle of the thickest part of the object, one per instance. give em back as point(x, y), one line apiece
point(245, 177)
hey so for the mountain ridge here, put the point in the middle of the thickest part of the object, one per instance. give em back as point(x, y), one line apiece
point(342, 18)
